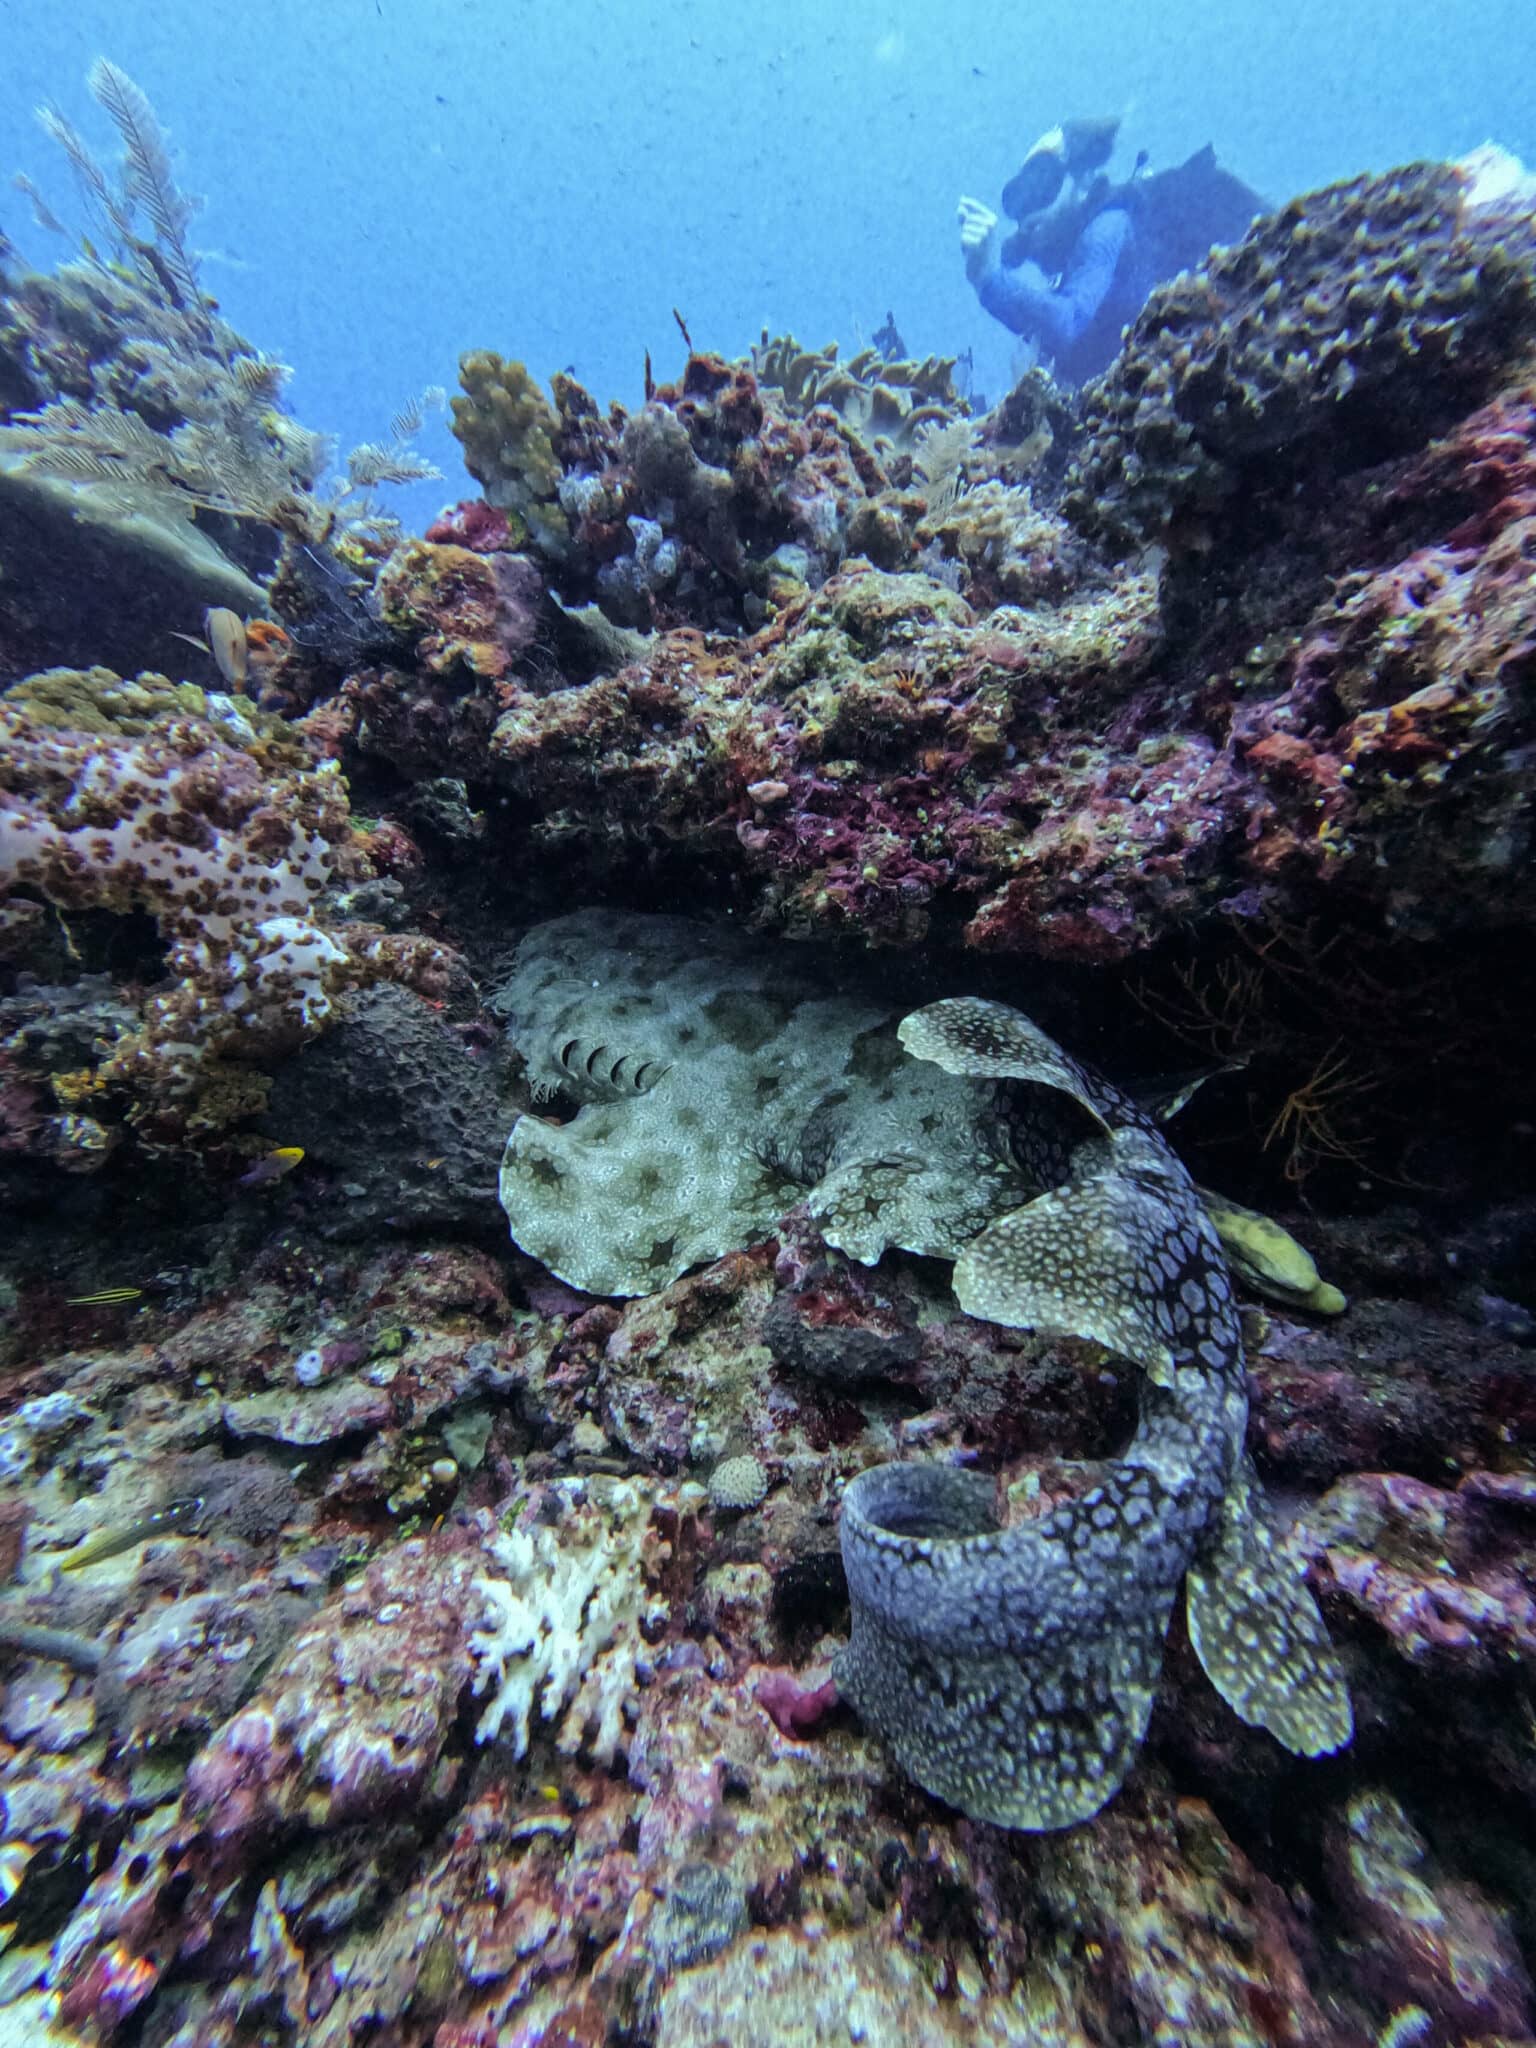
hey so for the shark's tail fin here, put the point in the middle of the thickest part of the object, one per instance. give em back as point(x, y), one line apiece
point(1257, 1631)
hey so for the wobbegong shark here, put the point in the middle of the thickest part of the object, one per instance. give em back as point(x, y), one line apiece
point(719, 1081)
point(1012, 1669)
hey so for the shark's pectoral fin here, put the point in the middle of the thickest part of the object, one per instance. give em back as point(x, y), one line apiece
point(902, 1198)
point(969, 1035)
point(1257, 1631)
point(1075, 1263)
point(862, 1205)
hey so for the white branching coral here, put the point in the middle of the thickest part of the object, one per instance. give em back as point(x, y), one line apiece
point(564, 1600)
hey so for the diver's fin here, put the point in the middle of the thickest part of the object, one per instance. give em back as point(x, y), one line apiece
point(969, 1035)
point(1257, 1631)
point(1075, 1263)
point(1269, 1258)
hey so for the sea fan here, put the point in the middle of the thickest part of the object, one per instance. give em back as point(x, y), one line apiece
point(106, 210)
point(97, 445)
point(408, 421)
point(395, 461)
point(119, 455)
point(42, 212)
point(149, 182)
point(261, 378)
point(377, 462)
point(940, 461)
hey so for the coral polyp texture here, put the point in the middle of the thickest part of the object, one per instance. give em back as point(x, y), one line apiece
point(888, 403)
point(1328, 319)
point(177, 822)
point(507, 429)
point(234, 841)
point(623, 1416)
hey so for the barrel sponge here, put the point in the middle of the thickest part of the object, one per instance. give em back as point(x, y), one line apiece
point(1382, 297)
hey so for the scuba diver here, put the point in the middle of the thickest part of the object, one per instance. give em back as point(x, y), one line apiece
point(1085, 252)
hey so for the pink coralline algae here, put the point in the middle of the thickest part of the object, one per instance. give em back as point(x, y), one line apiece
point(472, 524)
point(794, 1709)
point(348, 1722)
point(1417, 1934)
point(1396, 761)
point(338, 1846)
point(870, 712)
point(465, 612)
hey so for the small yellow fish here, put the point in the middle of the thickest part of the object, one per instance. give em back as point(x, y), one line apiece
point(227, 643)
point(272, 1167)
point(113, 1542)
point(104, 1297)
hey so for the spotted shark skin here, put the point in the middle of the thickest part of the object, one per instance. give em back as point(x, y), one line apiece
point(1012, 1669)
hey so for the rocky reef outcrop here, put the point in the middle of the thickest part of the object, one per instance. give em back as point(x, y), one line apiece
point(400, 1642)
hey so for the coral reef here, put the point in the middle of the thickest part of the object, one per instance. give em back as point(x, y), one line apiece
point(402, 1108)
point(705, 505)
point(1057, 774)
point(695, 1823)
point(1316, 326)
point(565, 1597)
point(100, 584)
point(418, 1635)
point(148, 467)
point(889, 402)
point(1401, 737)
point(218, 824)
point(737, 1485)
point(507, 429)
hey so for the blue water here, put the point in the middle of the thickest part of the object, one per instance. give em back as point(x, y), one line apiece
point(391, 183)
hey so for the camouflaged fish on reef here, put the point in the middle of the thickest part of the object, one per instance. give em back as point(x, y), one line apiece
point(1012, 1669)
point(720, 1081)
